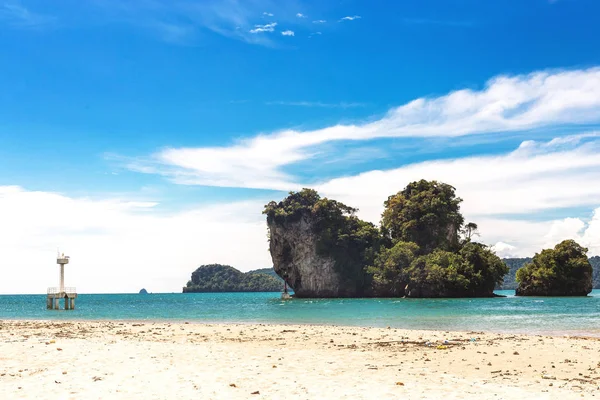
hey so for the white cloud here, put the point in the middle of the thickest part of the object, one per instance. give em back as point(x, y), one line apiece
point(300, 15)
point(270, 27)
point(505, 104)
point(504, 250)
point(543, 178)
point(287, 33)
point(530, 237)
point(121, 246)
point(268, 14)
point(319, 21)
point(350, 18)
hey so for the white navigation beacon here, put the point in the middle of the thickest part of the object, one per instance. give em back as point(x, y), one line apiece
point(69, 294)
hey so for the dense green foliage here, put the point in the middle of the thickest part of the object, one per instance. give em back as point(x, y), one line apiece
point(426, 213)
point(473, 271)
point(223, 278)
point(419, 251)
point(562, 271)
point(390, 269)
point(349, 241)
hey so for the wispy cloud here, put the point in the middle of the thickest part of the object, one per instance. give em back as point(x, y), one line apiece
point(319, 21)
point(350, 18)
point(506, 104)
point(536, 177)
point(315, 104)
point(300, 15)
point(314, 34)
point(270, 27)
point(230, 18)
point(425, 21)
point(16, 15)
point(287, 33)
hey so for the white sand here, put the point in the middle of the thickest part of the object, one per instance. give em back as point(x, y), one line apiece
point(113, 360)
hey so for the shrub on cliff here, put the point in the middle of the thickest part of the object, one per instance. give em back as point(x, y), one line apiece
point(562, 271)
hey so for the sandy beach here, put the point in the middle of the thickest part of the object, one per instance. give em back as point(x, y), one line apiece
point(141, 360)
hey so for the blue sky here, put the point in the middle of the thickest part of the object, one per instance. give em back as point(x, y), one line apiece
point(153, 110)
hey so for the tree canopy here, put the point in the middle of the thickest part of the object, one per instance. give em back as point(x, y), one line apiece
point(562, 271)
point(426, 213)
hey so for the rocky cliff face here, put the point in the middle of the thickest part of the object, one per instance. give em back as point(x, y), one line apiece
point(293, 247)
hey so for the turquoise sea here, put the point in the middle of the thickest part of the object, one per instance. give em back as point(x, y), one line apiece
point(552, 315)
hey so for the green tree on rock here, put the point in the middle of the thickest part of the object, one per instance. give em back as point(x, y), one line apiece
point(426, 213)
point(389, 269)
point(471, 272)
point(562, 271)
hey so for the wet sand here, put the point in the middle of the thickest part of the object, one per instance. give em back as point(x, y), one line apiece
point(141, 360)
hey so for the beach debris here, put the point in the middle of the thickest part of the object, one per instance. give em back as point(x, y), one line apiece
point(399, 383)
point(257, 392)
point(59, 349)
point(233, 385)
point(548, 377)
point(64, 372)
point(516, 353)
point(441, 347)
point(97, 378)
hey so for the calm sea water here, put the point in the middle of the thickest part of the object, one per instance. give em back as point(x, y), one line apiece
point(557, 315)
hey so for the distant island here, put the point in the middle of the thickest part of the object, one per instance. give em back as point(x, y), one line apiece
point(423, 247)
point(143, 291)
point(224, 278)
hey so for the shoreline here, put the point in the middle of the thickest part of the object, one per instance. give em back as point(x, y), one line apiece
point(141, 359)
point(591, 334)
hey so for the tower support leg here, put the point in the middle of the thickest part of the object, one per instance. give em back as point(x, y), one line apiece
point(72, 303)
